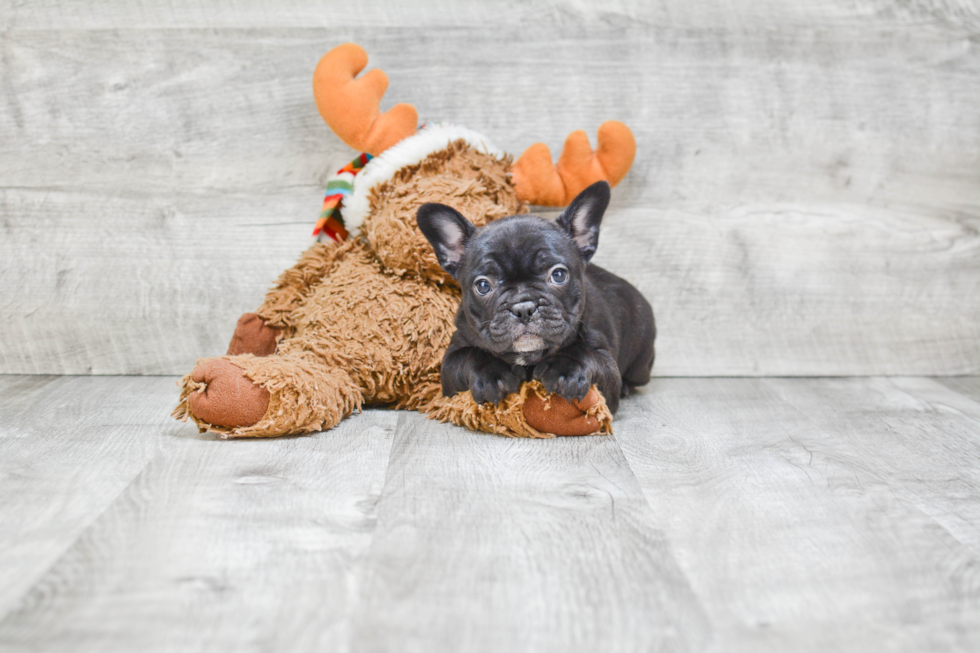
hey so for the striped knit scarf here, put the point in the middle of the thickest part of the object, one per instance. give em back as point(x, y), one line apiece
point(331, 222)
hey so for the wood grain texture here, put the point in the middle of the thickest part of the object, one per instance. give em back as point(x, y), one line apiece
point(969, 386)
point(724, 515)
point(127, 14)
point(804, 200)
point(816, 514)
point(215, 545)
point(68, 448)
point(151, 301)
point(820, 289)
point(933, 443)
point(489, 544)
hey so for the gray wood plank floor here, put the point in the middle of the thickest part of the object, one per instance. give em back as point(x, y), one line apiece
point(725, 514)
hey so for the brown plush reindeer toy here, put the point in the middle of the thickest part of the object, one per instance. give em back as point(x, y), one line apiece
point(365, 319)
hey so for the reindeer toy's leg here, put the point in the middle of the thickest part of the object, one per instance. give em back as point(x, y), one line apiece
point(359, 335)
point(231, 395)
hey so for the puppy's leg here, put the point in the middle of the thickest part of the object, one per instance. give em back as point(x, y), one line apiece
point(488, 378)
point(573, 370)
point(639, 370)
point(609, 380)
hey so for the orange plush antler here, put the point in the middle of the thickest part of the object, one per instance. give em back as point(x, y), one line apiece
point(538, 181)
point(351, 107)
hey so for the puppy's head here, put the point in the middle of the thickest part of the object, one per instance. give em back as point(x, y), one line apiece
point(523, 277)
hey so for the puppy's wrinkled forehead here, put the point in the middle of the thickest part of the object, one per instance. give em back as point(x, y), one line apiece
point(518, 246)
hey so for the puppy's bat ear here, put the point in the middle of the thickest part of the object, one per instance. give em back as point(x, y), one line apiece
point(447, 231)
point(582, 217)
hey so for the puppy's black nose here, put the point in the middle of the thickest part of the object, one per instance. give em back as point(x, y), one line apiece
point(524, 310)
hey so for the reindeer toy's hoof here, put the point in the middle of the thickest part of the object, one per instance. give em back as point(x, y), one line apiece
point(223, 396)
point(367, 320)
point(553, 414)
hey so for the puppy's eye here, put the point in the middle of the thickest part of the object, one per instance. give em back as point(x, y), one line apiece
point(482, 286)
point(559, 276)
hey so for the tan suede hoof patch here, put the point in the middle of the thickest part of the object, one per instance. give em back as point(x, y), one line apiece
point(556, 415)
point(229, 398)
point(253, 336)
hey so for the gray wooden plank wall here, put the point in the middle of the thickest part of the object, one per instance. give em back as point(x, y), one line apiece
point(805, 199)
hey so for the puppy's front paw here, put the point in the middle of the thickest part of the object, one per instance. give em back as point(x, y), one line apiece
point(565, 376)
point(493, 383)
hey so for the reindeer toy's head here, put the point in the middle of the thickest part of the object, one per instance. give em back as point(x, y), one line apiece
point(469, 173)
point(365, 316)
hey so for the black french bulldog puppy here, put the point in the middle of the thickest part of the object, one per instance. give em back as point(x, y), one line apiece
point(533, 306)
